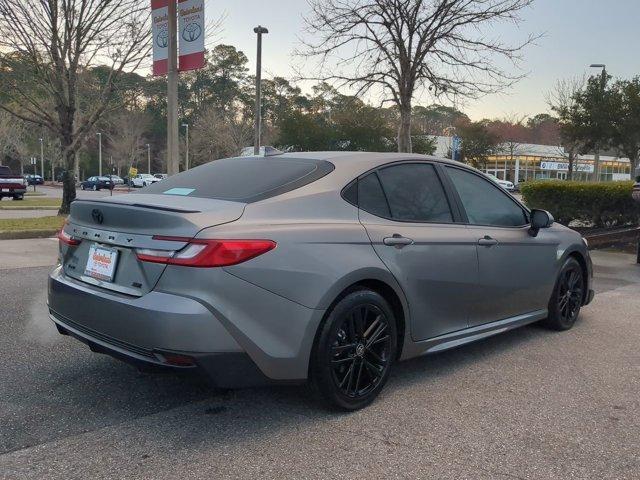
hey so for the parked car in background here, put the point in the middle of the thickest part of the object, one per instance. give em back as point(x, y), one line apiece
point(161, 176)
point(143, 180)
point(506, 184)
point(11, 185)
point(319, 266)
point(96, 183)
point(265, 151)
point(116, 179)
point(34, 179)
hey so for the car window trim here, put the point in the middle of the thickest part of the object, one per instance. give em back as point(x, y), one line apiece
point(463, 210)
point(384, 193)
point(455, 214)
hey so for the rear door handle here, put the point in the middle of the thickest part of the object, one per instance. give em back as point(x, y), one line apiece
point(487, 241)
point(397, 241)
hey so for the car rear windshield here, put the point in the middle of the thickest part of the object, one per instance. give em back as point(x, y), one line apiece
point(243, 179)
point(4, 170)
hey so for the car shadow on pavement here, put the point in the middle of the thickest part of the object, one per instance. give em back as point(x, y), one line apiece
point(85, 392)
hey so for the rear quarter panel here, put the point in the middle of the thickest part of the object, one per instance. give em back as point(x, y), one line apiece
point(320, 250)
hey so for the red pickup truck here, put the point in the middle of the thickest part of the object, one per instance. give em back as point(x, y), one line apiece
point(14, 186)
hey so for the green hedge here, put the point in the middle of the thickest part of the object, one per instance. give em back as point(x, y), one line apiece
point(593, 204)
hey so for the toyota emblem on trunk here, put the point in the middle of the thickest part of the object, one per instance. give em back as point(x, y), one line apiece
point(97, 216)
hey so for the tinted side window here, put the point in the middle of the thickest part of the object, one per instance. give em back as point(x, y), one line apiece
point(484, 203)
point(415, 193)
point(350, 193)
point(371, 197)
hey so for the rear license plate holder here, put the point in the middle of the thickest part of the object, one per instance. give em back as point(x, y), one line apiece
point(101, 263)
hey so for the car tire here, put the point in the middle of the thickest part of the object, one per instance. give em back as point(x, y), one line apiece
point(354, 350)
point(94, 188)
point(18, 197)
point(82, 187)
point(567, 297)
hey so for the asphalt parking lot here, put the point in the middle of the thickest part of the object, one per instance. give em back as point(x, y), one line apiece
point(529, 404)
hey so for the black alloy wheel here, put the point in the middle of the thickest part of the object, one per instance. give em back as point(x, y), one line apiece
point(570, 294)
point(355, 350)
point(360, 351)
point(567, 297)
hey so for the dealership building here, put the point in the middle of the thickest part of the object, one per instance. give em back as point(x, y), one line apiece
point(523, 161)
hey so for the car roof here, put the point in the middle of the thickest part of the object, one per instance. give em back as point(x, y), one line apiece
point(355, 162)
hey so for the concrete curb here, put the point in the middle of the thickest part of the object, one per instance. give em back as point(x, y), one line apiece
point(613, 238)
point(25, 234)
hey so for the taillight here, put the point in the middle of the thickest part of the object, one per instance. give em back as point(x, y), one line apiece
point(206, 253)
point(67, 239)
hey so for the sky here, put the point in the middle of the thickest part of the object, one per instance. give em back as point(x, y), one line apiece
point(576, 33)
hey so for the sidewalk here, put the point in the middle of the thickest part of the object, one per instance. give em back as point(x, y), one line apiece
point(39, 252)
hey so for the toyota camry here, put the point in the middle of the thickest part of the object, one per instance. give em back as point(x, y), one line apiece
point(325, 268)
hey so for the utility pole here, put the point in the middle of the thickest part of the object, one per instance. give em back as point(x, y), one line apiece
point(42, 159)
point(186, 158)
point(173, 161)
point(603, 86)
point(259, 30)
point(148, 158)
point(99, 153)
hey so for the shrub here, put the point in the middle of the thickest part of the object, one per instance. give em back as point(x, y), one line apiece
point(597, 204)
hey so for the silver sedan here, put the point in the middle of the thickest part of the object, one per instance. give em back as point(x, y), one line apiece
point(322, 267)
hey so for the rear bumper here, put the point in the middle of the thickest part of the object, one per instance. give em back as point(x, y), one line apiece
point(226, 370)
point(224, 342)
point(12, 191)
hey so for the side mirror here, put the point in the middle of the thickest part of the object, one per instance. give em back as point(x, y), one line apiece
point(539, 219)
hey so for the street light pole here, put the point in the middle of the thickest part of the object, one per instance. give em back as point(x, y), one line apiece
point(596, 154)
point(99, 153)
point(259, 30)
point(186, 158)
point(148, 158)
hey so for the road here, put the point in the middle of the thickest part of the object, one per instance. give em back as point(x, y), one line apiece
point(56, 192)
point(530, 404)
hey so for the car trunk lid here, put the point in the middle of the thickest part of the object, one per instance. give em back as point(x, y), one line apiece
point(128, 222)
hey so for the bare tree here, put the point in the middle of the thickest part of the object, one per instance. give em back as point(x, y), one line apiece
point(562, 99)
point(51, 49)
point(220, 134)
point(12, 136)
point(126, 138)
point(400, 47)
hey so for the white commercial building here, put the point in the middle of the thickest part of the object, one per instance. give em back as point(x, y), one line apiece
point(518, 162)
